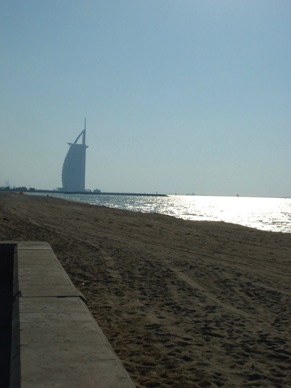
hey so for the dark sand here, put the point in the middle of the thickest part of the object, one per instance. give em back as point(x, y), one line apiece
point(183, 304)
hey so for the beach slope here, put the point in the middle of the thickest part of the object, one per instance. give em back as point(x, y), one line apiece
point(183, 303)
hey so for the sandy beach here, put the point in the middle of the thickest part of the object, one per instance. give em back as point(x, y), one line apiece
point(183, 303)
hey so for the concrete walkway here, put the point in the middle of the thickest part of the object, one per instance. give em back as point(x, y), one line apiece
point(61, 345)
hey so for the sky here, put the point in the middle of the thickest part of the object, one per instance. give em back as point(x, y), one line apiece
point(180, 96)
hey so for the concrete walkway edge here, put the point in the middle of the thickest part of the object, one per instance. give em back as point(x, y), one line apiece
point(56, 340)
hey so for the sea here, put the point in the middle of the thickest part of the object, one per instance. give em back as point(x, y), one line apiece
point(270, 214)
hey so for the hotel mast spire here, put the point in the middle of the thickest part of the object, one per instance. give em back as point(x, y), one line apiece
point(84, 134)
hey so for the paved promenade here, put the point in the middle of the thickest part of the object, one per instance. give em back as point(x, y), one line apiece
point(61, 345)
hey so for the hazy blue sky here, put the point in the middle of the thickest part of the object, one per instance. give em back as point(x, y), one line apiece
point(184, 96)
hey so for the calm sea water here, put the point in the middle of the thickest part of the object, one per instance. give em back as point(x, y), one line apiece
point(272, 214)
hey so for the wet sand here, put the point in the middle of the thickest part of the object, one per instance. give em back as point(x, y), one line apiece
point(183, 303)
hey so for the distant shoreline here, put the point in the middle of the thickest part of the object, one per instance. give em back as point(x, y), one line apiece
point(86, 192)
point(97, 193)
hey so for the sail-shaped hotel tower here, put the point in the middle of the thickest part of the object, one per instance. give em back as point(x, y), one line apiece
point(73, 173)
